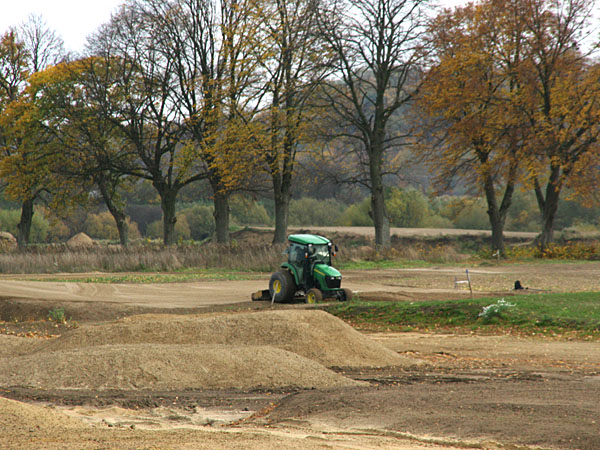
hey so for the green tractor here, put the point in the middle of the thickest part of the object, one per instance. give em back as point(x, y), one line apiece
point(307, 274)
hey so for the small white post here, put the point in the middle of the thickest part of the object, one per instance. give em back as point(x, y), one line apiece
point(469, 280)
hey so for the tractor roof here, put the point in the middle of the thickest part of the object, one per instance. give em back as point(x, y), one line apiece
point(305, 239)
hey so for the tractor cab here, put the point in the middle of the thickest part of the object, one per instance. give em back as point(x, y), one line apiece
point(308, 273)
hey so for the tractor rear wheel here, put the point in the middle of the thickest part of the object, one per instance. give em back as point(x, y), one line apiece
point(282, 287)
point(313, 295)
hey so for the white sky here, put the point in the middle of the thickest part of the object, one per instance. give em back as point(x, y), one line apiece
point(74, 20)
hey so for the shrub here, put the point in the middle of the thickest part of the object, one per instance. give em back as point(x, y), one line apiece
point(465, 212)
point(357, 215)
point(200, 221)
point(182, 229)
point(523, 214)
point(411, 209)
point(311, 211)
point(247, 211)
point(9, 219)
point(496, 310)
point(103, 226)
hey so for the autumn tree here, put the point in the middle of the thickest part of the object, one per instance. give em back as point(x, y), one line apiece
point(295, 66)
point(472, 129)
point(72, 103)
point(378, 54)
point(148, 116)
point(560, 100)
point(19, 58)
point(188, 92)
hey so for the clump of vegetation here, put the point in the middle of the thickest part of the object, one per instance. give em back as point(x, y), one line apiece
point(495, 310)
point(564, 314)
point(57, 315)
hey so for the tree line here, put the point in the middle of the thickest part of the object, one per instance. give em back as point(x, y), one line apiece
point(235, 93)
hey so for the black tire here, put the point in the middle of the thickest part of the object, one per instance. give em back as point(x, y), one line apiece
point(313, 295)
point(282, 286)
point(348, 294)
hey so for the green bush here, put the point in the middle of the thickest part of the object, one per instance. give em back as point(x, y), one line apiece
point(182, 229)
point(9, 219)
point(311, 211)
point(523, 214)
point(200, 221)
point(103, 226)
point(411, 209)
point(463, 212)
point(247, 211)
point(473, 217)
point(357, 215)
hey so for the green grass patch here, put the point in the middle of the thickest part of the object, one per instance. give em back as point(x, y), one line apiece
point(141, 278)
point(568, 314)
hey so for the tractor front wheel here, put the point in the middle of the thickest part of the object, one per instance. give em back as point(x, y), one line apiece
point(348, 294)
point(313, 295)
point(282, 287)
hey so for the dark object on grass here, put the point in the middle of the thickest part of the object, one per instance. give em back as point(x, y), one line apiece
point(518, 285)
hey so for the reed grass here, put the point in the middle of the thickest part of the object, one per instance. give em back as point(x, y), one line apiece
point(242, 257)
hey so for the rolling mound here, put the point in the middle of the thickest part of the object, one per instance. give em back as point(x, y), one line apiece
point(315, 335)
point(168, 367)
point(19, 417)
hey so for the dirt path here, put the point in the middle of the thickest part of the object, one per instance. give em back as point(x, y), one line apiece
point(390, 284)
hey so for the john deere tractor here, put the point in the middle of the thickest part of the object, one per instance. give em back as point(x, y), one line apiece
point(307, 274)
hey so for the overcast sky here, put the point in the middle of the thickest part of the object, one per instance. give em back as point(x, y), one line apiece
point(74, 20)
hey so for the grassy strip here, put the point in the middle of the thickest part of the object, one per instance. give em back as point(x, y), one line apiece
point(568, 314)
point(210, 275)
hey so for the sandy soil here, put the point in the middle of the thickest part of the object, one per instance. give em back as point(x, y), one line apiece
point(390, 284)
point(134, 382)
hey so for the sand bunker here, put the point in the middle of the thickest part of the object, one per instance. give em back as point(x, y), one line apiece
point(316, 335)
point(168, 367)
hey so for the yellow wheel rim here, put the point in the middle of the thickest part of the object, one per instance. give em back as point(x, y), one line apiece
point(311, 298)
point(277, 286)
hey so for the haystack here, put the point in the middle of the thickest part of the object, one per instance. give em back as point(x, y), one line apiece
point(315, 335)
point(7, 240)
point(80, 240)
point(168, 367)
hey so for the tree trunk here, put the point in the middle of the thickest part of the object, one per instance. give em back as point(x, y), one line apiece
point(496, 219)
point(24, 226)
point(378, 209)
point(282, 212)
point(548, 216)
point(123, 228)
point(117, 213)
point(221, 215)
point(548, 206)
point(167, 203)
point(282, 185)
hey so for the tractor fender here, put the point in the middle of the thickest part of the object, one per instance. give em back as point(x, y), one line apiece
point(293, 271)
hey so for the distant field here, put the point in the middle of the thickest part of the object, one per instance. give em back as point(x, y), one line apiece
point(412, 232)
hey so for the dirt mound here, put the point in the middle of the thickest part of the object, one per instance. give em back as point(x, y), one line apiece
point(315, 335)
point(80, 240)
point(13, 345)
point(19, 417)
point(168, 367)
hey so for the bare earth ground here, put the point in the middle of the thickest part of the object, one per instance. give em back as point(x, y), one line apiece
point(131, 383)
